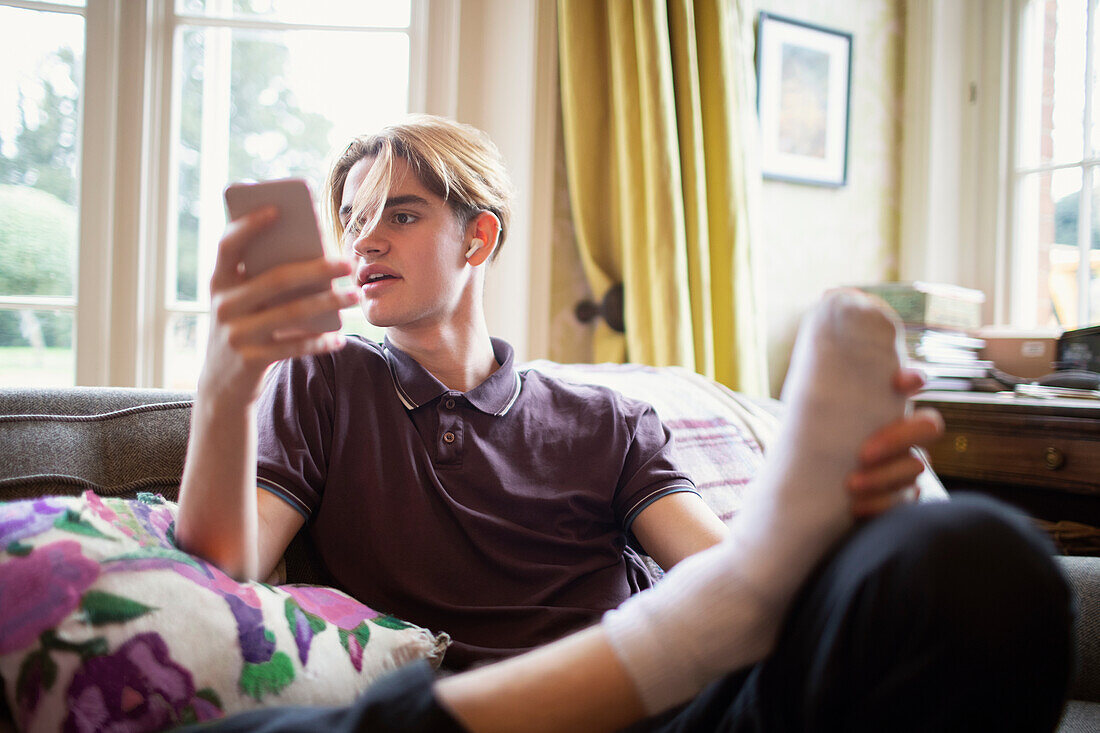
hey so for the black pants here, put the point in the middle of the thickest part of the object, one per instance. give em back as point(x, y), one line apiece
point(935, 617)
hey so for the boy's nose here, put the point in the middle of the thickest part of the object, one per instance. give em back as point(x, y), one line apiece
point(369, 244)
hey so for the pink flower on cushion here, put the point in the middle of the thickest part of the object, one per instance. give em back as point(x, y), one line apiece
point(212, 578)
point(40, 589)
point(98, 508)
point(355, 652)
point(331, 605)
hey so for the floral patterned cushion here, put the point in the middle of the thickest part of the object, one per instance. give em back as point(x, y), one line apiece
point(105, 623)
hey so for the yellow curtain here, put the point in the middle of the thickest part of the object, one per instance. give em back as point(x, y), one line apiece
point(658, 121)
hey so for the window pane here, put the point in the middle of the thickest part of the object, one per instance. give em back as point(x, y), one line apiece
point(1057, 251)
point(1090, 258)
point(1052, 83)
point(36, 348)
point(40, 88)
point(1094, 86)
point(1094, 287)
point(1046, 243)
point(184, 349)
point(1060, 263)
point(376, 13)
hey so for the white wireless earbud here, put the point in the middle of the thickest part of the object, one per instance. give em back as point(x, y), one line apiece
point(475, 245)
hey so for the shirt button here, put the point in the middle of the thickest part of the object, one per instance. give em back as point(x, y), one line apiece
point(448, 437)
point(449, 404)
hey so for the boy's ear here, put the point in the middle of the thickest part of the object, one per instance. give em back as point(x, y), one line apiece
point(483, 242)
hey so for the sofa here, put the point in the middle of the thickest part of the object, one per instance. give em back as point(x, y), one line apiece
point(88, 477)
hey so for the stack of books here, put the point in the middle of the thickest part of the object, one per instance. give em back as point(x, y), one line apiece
point(938, 321)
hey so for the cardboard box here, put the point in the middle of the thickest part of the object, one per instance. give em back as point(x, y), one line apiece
point(1026, 354)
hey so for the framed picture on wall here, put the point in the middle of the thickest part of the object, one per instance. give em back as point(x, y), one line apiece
point(803, 86)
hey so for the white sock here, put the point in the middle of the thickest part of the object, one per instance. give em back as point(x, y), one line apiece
point(721, 609)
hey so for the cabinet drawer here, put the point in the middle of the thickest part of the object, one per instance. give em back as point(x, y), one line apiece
point(1033, 457)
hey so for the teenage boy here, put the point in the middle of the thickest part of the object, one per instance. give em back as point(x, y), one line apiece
point(931, 618)
point(517, 493)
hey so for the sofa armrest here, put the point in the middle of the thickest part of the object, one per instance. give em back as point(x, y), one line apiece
point(115, 442)
point(1084, 577)
point(82, 400)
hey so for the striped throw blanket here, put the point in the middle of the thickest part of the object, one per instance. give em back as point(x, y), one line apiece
point(719, 436)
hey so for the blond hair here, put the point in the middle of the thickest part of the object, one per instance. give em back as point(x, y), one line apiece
point(457, 162)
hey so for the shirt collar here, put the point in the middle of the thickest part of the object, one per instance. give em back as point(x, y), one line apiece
point(415, 385)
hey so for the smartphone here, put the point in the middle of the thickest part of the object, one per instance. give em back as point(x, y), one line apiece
point(294, 237)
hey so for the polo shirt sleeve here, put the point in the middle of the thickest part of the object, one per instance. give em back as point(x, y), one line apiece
point(294, 418)
point(649, 470)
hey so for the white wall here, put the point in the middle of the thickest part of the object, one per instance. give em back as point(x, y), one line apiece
point(957, 128)
point(505, 76)
point(816, 238)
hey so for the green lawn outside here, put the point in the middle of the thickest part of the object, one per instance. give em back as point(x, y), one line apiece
point(26, 366)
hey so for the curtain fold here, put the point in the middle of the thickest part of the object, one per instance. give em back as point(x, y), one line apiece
point(657, 148)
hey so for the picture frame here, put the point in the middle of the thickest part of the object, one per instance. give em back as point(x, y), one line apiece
point(803, 99)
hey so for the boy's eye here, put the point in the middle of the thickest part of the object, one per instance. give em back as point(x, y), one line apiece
point(403, 218)
point(354, 227)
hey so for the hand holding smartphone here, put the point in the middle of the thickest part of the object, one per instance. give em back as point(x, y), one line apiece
point(294, 237)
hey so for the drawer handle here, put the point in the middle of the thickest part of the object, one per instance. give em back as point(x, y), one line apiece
point(961, 444)
point(1054, 458)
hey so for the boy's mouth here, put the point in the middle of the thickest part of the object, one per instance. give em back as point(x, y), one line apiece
point(372, 275)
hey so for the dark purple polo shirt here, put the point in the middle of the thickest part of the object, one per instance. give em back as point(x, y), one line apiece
point(499, 515)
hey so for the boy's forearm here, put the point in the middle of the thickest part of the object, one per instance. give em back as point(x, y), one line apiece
point(217, 515)
point(575, 684)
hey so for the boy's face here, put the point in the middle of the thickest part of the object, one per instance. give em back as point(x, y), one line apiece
point(411, 269)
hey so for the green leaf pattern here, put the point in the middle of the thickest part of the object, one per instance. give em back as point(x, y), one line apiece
point(268, 677)
point(101, 608)
point(72, 521)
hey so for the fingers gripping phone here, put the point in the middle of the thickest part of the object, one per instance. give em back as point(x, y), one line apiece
point(294, 237)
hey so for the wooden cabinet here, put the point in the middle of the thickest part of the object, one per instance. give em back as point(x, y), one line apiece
point(1042, 455)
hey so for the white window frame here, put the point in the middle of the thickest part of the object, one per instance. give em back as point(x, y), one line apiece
point(86, 304)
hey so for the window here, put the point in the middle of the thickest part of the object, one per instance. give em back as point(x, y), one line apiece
point(1055, 248)
point(226, 90)
point(41, 93)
